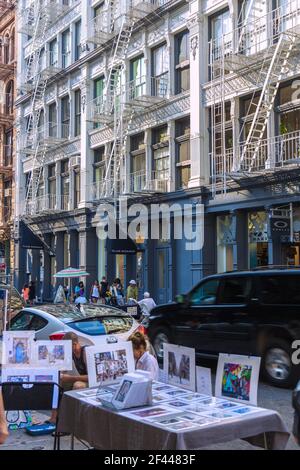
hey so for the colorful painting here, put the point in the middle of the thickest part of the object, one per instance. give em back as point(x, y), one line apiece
point(236, 381)
point(17, 348)
point(237, 378)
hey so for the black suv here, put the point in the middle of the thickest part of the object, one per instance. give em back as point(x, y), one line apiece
point(243, 312)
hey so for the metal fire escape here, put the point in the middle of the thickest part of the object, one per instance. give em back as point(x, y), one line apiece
point(117, 106)
point(260, 48)
point(35, 21)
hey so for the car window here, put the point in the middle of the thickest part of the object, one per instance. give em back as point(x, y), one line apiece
point(292, 290)
point(103, 326)
point(272, 290)
point(21, 321)
point(205, 293)
point(234, 290)
point(37, 323)
point(28, 321)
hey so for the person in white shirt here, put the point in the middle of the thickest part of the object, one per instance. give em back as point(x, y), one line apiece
point(147, 304)
point(143, 359)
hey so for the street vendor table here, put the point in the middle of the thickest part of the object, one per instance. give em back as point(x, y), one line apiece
point(107, 429)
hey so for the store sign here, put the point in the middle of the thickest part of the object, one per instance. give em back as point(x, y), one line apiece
point(280, 226)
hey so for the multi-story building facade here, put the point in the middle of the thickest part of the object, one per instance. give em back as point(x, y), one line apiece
point(160, 101)
point(7, 138)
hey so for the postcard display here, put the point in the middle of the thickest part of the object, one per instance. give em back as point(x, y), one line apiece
point(176, 407)
point(27, 360)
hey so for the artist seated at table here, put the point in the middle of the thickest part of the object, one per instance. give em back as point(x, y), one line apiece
point(143, 359)
point(78, 377)
point(3, 425)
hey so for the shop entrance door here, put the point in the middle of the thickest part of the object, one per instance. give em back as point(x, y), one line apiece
point(161, 275)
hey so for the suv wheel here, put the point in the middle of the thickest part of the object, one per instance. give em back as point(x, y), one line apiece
point(277, 366)
point(158, 338)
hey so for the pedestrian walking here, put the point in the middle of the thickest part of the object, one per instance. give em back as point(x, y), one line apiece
point(79, 287)
point(132, 291)
point(117, 292)
point(32, 293)
point(147, 303)
point(95, 292)
point(103, 290)
point(25, 293)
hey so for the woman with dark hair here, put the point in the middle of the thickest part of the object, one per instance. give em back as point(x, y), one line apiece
point(3, 425)
point(32, 293)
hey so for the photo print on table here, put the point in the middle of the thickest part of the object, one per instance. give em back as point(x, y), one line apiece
point(179, 366)
point(17, 348)
point(56, 354)
point(150, 412)
point(108, 363)
point(237, 378)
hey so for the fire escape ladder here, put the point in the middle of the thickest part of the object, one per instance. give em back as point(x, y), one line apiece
point(265, 104)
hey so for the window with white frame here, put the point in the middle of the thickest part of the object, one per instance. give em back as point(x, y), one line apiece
point(65, 117)
point(77, 110)
point(182, 62)
point(160, 70)
point(66, 48)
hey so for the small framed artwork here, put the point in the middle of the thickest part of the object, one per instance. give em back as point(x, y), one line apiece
point(237, 378)
point(179, 366)
point(18, 348)
point(108, 363)
point(56, 354)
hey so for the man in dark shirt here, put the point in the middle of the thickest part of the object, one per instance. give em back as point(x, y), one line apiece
point(78, 378)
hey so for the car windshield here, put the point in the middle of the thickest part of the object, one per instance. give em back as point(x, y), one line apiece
point(103, 326)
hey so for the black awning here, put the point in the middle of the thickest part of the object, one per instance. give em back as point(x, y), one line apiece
point(121, 247)
point(31, 240)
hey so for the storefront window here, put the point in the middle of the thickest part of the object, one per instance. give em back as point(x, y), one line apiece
point(225, 240)
point(258, 239)
point(120, 264)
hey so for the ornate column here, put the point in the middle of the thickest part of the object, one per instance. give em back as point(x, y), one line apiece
point(198, 72)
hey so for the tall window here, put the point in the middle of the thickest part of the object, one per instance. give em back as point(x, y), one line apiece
point(53, 52)
point(219, 25)
point(99, 170)
point(66, 48)
point(183, 159)
point(9, 98)
point(65, 184)
point(65, 117)
point(182, 62)
point(6, 49)
point(77, 39)
point(98, 9)
point(52, 185)
point(77, 127)
point(12, 46)
point(7, 200)
point(8, 148)
point(160, 70)
point(137, 77)
point(76, 187)
point(138, 162)
point(98, 98)
point(53, 120)
point(161, 154)
point(66, 251)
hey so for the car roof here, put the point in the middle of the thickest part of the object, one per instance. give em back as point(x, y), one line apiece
point(72, 312)
point(265, 271)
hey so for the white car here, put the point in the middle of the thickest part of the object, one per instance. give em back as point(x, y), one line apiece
point(94, 324)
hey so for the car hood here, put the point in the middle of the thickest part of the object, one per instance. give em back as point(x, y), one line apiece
point(169, 308)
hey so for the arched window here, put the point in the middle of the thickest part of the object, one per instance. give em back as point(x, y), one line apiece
point(12, 45)
point(9, 97)
point(6, 49)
